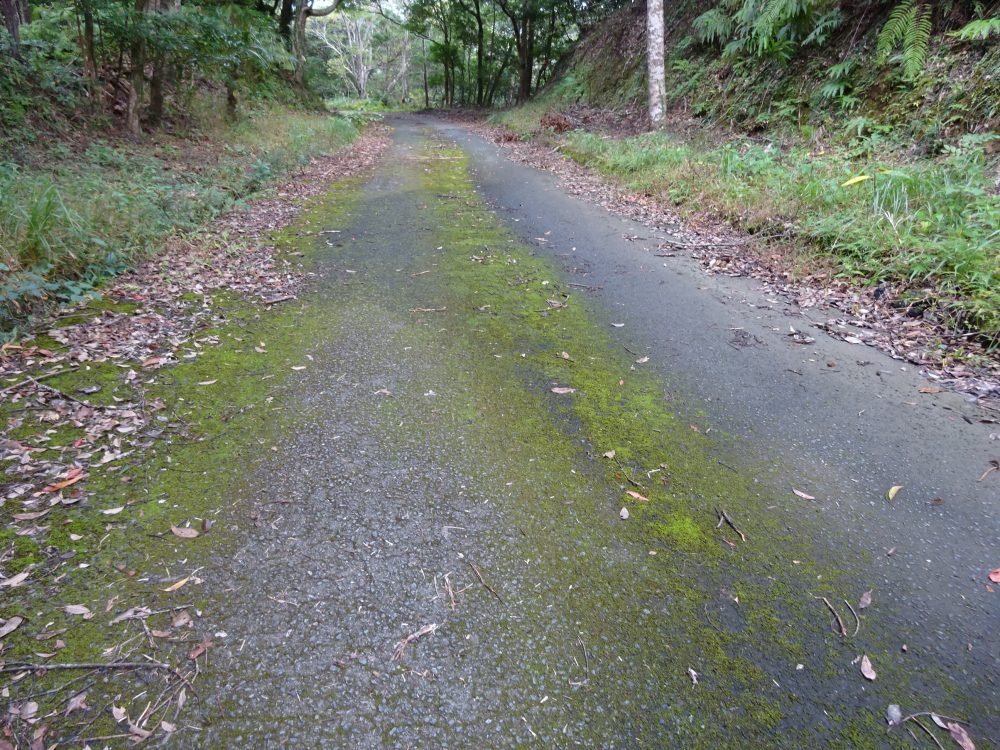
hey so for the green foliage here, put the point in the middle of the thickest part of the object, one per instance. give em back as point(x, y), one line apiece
point(768, 28)
point(909, 28)
point(65, 228)
point(978, 30)
point(927, 224)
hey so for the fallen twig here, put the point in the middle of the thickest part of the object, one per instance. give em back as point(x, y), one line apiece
point(428, 309)
point(928, 732)
point(397, 653)
point(857, 619)
point(840, 622)
point(724, 518)
point(479, 575)
point(627, 477)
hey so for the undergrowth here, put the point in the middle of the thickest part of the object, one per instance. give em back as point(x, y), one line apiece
point(932, 226)
point(77, 213)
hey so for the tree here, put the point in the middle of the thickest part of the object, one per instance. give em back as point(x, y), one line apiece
point(304, 10)
point(655, 64)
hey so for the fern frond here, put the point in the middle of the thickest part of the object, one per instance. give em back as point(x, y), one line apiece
point(894, 30)
point(917, 41)
point(978, 30)
point(714, 27)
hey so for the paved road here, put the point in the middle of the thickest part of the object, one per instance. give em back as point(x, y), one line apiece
point(440, 490)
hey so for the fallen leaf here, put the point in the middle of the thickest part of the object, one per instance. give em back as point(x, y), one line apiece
point(134, 613)
point(298, 367)
point(932, 389)
point(209, 382)
point(890, 552)
point(178, 584)
point(939, 721)
point(201, 648)
point(78, 609)
point(617, 325)
point(866, 600)
point(693, 675)
point(609, 454)
point(9, 626)
point(995, 575)
point(65, 483)
point(31, 516)
point(960, 736)
point(181, 619)
point(77, 703)
point(866, 668)
point(15, 581)
point(642, 360)
point(184, 532)
point(139, 732)
point(891, 493)
point(564, 355)
point(623, 514)
point(802, 494)
point(563, 391)
point(113, 511)
point(167, 727)
point(119, 713)
point(637, 496)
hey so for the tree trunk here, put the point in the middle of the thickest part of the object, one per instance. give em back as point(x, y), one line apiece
point(11, 12)
point(654, 57)
point(137, 74)
point(285, 22)
point(427, 91)
point(303, 12)
point(480, 55)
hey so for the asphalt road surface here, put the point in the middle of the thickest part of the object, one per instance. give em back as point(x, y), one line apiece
point(449, 566)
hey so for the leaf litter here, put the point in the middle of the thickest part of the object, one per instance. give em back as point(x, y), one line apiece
point(156, 320)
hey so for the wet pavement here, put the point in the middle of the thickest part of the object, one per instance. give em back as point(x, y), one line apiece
point(437, 557)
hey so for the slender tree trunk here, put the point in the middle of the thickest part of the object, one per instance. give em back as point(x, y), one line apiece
point(11, 12)
point(654, 56)
point(427, 91)
point(480, 55)
point(285, 21)
point(137, 74)
point(303, 12)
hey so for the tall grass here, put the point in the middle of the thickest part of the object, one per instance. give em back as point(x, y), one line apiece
point(84, 216)
point(931, 225)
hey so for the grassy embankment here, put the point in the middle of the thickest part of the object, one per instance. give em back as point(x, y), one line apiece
point(77, 210)
point(860, 173)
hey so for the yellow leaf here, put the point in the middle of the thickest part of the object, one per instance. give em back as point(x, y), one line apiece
point(893, 491)
point(856, 180)
point(175, 586)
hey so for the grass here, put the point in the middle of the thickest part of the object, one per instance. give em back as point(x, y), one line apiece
point(930, 226)
point(77, 214)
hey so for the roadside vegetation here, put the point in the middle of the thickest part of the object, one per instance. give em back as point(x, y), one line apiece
point(863, 137)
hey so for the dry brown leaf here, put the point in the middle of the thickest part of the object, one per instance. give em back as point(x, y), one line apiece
point(802, 494)
point(184, 532)
point(178, 584)
point(113, 511)
point(609, 454)
point(563, 391)
point(31, 516)
point(119, 713)
point(9, 626)
point(209, 382)
point(637, 496)
point(623, 514)
point(77, 703)
point(642, 360)
point(994, 575)
point(15, 581)
point(867, 669)
point(78, 609)
point(960, 736)
point(201, 648)
point(931, 389)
